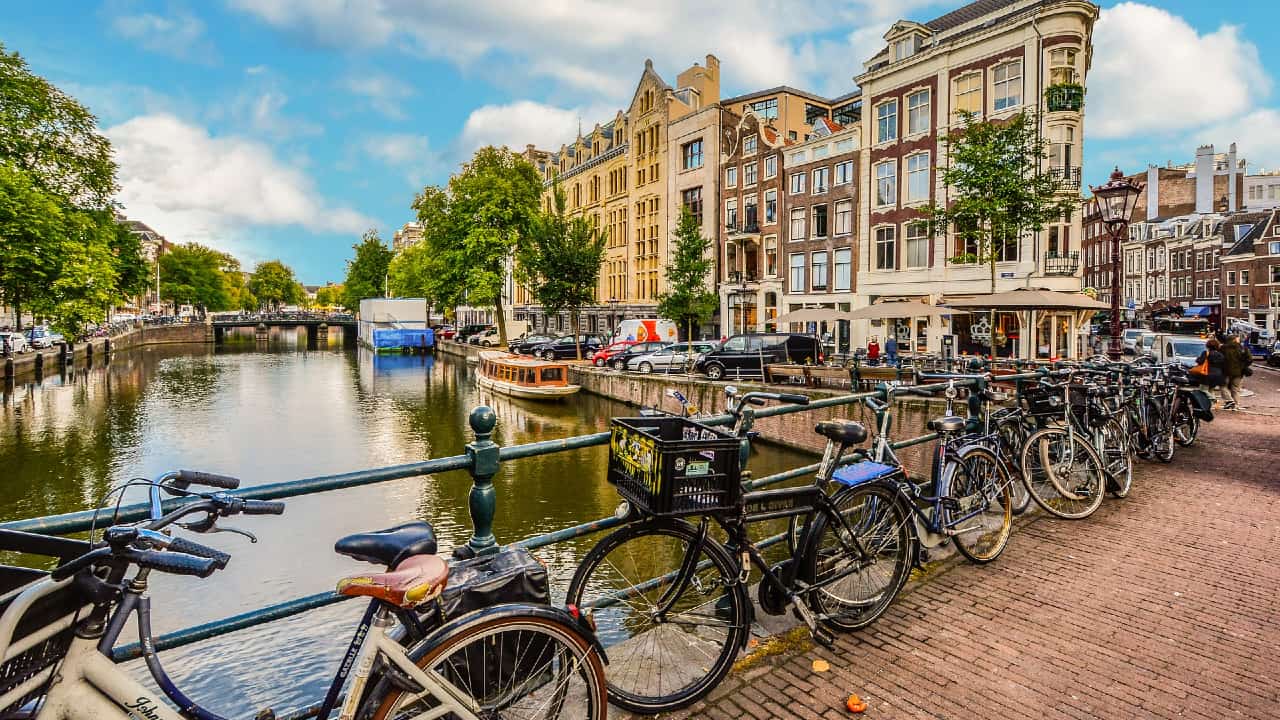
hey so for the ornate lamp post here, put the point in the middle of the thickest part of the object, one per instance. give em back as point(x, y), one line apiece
point(1116, 202)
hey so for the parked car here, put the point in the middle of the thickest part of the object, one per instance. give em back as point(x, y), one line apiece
point(603, 355)
point(465, 333)
point(672, 358)
point(564, 348)
point(1145, 345)
point(487, 338)
point(618, 360)
point(15, 341)
point(1273, 357)
point(445, 332)
point(1129, 339)
point(748, 354)
point(526, 344)
point(43, 337)
point(1182, 349)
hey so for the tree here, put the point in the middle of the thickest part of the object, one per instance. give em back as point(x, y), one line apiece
point(366, 271)
point(559, 261)
point(329, 296)
point(688, 301)
point(997, 189)
point(132, 269)
point(31, 226)
point(193, 274)
point(273, 283)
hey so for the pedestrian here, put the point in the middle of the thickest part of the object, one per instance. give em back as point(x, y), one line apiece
point(1214, 377)
point(873, 351)
point(1235, 366)
point(891, 350)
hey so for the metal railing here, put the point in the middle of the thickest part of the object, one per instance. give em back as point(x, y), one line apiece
point(1065, 264)
point(482, 459)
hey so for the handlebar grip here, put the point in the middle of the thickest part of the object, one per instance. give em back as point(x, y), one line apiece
point(755, 401)
point(195, 477)
point(182, 545)
point(263, 507)
point(794, 398)
point(174, 563)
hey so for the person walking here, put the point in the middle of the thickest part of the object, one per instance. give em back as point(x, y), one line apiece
point(891, 351)
point(1215, 377)
point(1236, 362)
point(873, 352)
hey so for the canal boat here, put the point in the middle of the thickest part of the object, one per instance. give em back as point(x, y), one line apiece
point(523, 377)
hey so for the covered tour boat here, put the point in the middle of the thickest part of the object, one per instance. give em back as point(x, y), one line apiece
point(523, 377)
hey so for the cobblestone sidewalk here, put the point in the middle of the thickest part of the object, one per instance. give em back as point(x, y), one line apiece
point(1163, 605)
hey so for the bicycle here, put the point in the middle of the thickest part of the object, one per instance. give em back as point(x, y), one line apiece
point(497, 662)
point(1062, 471)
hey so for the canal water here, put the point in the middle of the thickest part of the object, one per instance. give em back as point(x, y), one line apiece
point(280, 412)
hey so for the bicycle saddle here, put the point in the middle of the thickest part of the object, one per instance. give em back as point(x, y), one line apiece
point(842, 431)
point(948, 424)
point(419, 579)
point(389, 547)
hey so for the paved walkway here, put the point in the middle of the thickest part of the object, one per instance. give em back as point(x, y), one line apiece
point(1164, 605)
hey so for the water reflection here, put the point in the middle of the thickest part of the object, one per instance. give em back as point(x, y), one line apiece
point(277, 411)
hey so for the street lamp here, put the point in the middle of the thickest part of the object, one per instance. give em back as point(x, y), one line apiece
point(1116, 202)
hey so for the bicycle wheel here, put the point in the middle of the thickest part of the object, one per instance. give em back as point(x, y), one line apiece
point(1063, 473)
point(861, 587)
point(1186, 428)
point(1115, 452)
point(669, 645)
point(1012, 436)
point(512, 666)
point(982, 515)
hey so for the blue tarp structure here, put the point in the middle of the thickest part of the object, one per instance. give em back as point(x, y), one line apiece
point(388, 338)
point(1197, 311)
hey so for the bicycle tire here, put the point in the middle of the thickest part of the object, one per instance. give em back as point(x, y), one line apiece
point(967, 483)
point(1186, 429)
point(631, 674)
point(1115, 451)
point(449, 652)
point(1042, 449)
point(884, 527)
point(1013, 435)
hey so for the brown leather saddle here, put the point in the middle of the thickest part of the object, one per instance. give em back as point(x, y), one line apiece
point(415, 574)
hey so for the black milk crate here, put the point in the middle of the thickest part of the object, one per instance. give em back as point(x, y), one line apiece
point(674, 466)
point(1042, 401)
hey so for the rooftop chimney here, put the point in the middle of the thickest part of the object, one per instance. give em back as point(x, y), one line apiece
point(1204, 179)
point(1233, 201)
point(1153, 192)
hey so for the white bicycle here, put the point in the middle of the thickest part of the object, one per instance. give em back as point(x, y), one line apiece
point(406, 660)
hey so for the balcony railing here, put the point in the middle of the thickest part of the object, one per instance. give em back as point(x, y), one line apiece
point(1068, 178)
point(737, 277)
point(1068, 97)
point(1061, 264)
point(747, 228)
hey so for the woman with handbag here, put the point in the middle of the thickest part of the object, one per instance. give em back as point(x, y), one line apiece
point(1209, 370)
point(1236, 361)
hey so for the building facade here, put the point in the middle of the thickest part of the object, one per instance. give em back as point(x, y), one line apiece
point(408, 235)
point(1262, 191)
point(1251, 270)
point(993, 58)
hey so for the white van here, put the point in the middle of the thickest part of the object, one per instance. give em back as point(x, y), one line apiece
point(646, 330)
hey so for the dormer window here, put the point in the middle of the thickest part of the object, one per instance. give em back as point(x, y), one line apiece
point(904, 48)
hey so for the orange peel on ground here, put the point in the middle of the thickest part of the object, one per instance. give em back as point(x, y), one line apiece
point(855, 704)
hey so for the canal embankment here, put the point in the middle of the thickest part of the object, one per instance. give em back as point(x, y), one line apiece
point(57, 357)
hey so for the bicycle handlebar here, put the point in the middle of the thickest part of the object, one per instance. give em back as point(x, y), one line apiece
point(188, 547)
point(174, 563)
point(185, 478)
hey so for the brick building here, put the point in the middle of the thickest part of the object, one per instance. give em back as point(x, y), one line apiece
point(1251, 269)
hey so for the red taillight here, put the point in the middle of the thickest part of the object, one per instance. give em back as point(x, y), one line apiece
point(573, 611)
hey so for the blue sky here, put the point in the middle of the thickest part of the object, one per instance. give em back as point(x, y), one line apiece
point(283, 128)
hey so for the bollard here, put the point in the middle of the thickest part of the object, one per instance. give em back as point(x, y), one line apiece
point(8, 368)
point(106, 346)
point(39, 362)
point(67, 354)
point(482, 501)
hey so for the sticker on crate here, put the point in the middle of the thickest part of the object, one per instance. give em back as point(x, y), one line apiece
point(638, 456)
point(699, 468)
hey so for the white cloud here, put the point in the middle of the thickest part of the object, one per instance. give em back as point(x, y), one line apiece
point(1255, 134)
point(193, 186)
point(1153, 72)
point(180, 35)
point(383, 92)
point(255, 69)
point(263, 112)
point(523, 122)
point(397, 149)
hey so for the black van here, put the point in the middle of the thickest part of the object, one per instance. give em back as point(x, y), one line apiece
point(746, 355)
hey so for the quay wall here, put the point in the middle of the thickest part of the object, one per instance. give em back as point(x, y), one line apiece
point(50, 359)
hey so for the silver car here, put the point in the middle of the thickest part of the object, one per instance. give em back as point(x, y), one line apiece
point(15, 341)
point(672, 358)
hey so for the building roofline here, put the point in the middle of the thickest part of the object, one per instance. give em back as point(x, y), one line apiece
point(773, 91)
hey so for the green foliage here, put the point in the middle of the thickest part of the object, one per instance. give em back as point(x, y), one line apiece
point(132, 269)
point(688, 301)
point(367, 271)
point(329, 296)
point(193, 274)
point(559, 261)
point(273, 283)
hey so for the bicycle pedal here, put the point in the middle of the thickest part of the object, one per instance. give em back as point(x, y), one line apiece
point(823, 637)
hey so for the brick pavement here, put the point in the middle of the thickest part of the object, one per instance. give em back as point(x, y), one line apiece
point(1163, 605)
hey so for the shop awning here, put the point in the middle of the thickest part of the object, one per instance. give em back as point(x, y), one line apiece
point(1197, 311)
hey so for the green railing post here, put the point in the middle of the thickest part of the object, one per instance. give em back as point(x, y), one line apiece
point(483, 501)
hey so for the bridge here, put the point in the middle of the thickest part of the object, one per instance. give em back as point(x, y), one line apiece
point(316, 325)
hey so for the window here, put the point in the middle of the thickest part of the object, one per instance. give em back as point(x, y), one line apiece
point(844, 172)
point(771, 167)
point(797, 224)
point(1062, 66)
point(796, 279)
point(917, 245)
point(692, 199)
point(819, 270)
point(844, 218)
point(771, 256)
point(905, 48)
point(691, 154)
point(797, 183)
point(771, 206)
point(766, 109)
point(819, 221)
point(1275, 300)
point(1231, 302)
point(1231, 277)
point(887, 121)
point(1244, 277)
point(969, 93)
point(1244, 302)
point(1007, 79)
point(749, 145)
point(844, 270)
point(749, 174)
point(1275, 273)
point(1274, 247)
point(820, 177)
point(731, 213)
point(918, 112)
point(1199, 288)
point(886, 184)
point(918, 178)
point(750, 217)
point(886, 250)
point(1062, 149)
point(731, 177)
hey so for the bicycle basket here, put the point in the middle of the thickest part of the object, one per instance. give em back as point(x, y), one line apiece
point(1042, 401)
point(674, 466)
point(40, 654)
